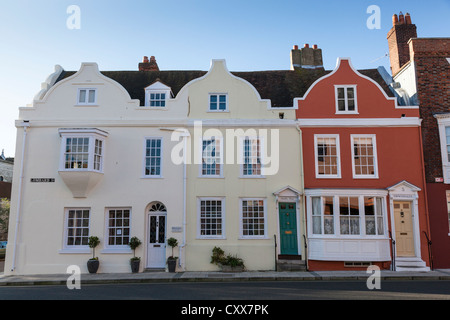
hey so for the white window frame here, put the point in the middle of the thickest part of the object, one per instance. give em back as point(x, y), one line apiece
point(66, 248)
point(223, 216)
point(242, 156)
point(241, 219)
point(220, 141)
point(86, 102)
point(336, 194)
point(375, 156)
point(160, 175)
point(447, 193)
point(217, 94)
point(92, 135)
point(112, 248)
point(345, 87)
point(338, 155)
point(157, 100)
point(444, 122)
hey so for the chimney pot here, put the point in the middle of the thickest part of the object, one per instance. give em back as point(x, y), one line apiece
point(315, 46)
point(394, 19)
point(306, 45)
point(407, 18)
point(145, 59)
point(401, 18)
point(296, 47)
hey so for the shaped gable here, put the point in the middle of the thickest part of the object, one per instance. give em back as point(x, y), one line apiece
point(346, 93)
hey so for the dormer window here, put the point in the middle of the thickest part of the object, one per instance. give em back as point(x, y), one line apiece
point(157, 94)
point(87, 96)
point(346, 99)
point(157, 99)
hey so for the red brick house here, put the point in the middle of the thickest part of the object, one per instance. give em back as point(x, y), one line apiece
point(421, 76)
point(364, 181)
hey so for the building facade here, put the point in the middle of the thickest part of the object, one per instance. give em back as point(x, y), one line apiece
point(364, 182)
point(420, 70)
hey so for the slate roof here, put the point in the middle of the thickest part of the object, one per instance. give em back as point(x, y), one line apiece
point(280, 86)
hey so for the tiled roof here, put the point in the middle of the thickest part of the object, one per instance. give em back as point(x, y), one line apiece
point(280, 86)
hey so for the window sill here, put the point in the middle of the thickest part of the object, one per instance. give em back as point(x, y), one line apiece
point(152, 177)
point(328, 177)
point(252, 177)
point(87, 105)
point(254, 238)
point(211, 177)
point(365, 177)
point(218, 111)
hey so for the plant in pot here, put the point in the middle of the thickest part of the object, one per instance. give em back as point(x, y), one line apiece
point(93, 262)
point(135, 261)
point(172, 261)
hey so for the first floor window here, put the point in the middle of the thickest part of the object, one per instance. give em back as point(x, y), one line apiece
point(118, 227)
point(211, 218)
point(253, 218)
point(211, 157)
point(327, 156)
point(82, 149)
point(252, 157)
point(153, 157)
point(77, 228)
point(364, 156)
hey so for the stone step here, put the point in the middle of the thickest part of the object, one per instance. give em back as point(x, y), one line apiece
point(410, 264)
point(291, 265)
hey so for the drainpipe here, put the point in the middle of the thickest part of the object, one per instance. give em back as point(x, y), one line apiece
point(185, 136)
point(25, 124)
point(303, 195)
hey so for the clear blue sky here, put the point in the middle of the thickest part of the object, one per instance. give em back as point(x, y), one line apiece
point(186, 35)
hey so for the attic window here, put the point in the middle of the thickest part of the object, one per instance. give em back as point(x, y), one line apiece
point(346, 99)
point(218, 102)
point(157, 99)
point(87, 96)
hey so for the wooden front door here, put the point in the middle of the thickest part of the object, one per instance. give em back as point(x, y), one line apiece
point(288, 228)
point(404, 236)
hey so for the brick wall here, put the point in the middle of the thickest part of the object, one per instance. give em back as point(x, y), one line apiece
point(398, 38)
point(433, 89)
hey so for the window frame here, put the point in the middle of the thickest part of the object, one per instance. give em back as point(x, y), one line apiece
point(221, 156)
point(375, 156)
point(447, 193)
point(86, 102)
point(242, 157)
point(154, 176)
point(338, 156)
point(345, 87)
point(336, 194)
point(218, 94)
point(114, 247)
point(241, 219)
point(222, 217)
point(150, 93)
point(93, 135)
point(66, 248)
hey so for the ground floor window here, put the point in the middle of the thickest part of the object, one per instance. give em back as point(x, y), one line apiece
point(118, 227)
point(77, 227)
point(253, 216)
point(211, 218)
point(347, 214)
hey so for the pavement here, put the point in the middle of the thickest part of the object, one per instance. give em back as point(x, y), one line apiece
point(148, 277)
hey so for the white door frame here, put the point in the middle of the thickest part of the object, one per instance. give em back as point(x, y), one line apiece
point(161, 263)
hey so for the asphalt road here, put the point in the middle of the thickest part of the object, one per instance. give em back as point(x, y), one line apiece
point(255, 291)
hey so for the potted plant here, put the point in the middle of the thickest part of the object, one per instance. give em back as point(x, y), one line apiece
point(93, 262)
point(135, 261)
point(226, 263)
point(172, 261)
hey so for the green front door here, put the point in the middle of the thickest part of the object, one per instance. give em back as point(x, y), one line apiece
point(288, 228)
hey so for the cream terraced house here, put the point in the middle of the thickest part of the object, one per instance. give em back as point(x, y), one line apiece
point(93, 161)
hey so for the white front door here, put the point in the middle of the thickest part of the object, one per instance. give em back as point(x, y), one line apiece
point(156, 245)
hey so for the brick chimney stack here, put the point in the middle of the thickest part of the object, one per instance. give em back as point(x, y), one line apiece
point(306, 57)
point(147, 65)
point(402, 30)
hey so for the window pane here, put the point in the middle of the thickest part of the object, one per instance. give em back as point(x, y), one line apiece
point(252, 157)
point(91, 96)
point(77, 227)
point(211, 217)
point(317, 212)
point(253, 221)
point(82, 96)
point(327, 157)
point(153, 157)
